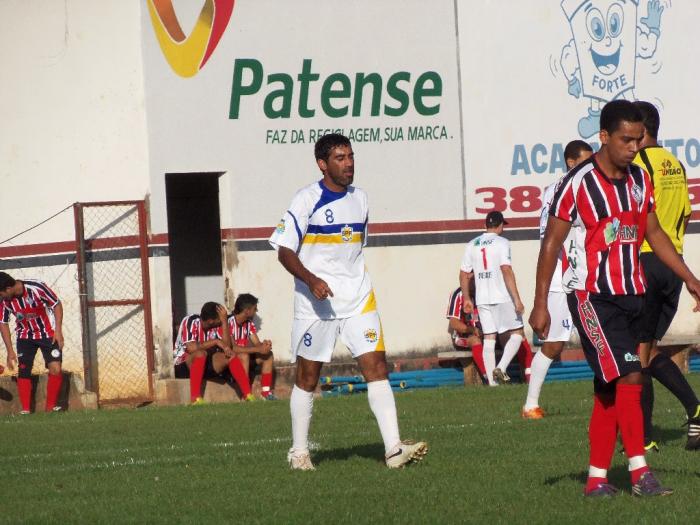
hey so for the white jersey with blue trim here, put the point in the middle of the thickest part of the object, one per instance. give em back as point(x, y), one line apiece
point(327, 230)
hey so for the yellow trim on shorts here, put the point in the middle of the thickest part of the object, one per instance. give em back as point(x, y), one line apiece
point(371, 304)
point(380, 343)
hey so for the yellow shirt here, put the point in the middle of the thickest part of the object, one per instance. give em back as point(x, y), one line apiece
point(670, 192)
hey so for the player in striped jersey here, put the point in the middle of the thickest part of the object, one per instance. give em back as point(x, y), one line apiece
point(246, 344)
point(576, 152)
point(465, 329)
point(203, 349)
point(319, 241)
point(38, 317)
point(610, 205)
point(487, 261)
point(663, 286)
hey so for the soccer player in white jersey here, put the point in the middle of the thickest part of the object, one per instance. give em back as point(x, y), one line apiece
point(576, 152)
point(319, 241)
point(487, 261)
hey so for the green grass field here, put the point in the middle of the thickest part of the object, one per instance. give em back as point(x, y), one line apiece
point(226, 464)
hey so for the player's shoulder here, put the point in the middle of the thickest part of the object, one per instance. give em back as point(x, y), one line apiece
point(34, 283)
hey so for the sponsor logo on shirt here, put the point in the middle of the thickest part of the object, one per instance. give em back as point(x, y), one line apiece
point(611, 230)
point(630, 358)
point(280, 226)
point(371, 335)
point(668, 169)
point(346, 233)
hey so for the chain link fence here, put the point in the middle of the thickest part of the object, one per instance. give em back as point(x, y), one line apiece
point(112, 259)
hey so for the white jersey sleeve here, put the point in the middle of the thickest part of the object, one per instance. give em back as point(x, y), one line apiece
point(291, 228)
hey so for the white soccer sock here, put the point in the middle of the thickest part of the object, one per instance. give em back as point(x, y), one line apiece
point(381, 401)
point(490, 359)
point(538, 371)
point(509, 351)
point(301, 405)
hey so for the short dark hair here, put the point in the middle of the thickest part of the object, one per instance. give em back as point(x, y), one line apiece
point(617, 111)
point(243, 301)
point(650, 117)
point(573, 149)
point(209, 312)
point(324, 145)
point(6, 281)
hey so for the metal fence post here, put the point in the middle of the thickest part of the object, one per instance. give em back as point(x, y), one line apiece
point(82, 290)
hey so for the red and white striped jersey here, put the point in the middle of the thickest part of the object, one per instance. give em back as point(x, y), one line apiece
point(240, 333)
point(191, 330)
point(33, 311)
point(609, 220)
point(455, 309)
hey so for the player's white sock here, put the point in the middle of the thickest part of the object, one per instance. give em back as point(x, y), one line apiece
point(538, 371)
point(490, 359)
point(381, 401)
point(509, 351)
point(301, 405)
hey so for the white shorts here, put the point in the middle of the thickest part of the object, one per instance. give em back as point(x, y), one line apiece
point(499, 318)
point(314, 339)
point(561, 324)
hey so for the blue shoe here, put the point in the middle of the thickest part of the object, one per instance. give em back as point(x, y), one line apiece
point(648, 485)
point(270, 397)
point(603, 490)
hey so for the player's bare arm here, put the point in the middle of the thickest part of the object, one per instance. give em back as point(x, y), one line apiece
point(7, 339)
point(58, 331)
point(554, 236)
point(512, 287)
point(464, 283)
point(664, 249)
point(293, 265)
point(264, 347)
point(223, 320)
point(461, 327)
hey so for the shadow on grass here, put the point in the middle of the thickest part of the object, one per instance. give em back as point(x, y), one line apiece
point(664, 435)
point(371, 451)
point(617, 475)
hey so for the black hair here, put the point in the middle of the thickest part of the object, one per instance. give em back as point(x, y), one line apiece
point(573, 149)
point(209, 312)
point(650, 117)
point(243, 301)
point(324, 145)
point(617, 111)
point(6, 281)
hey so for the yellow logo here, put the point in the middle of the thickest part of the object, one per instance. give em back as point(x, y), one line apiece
point(346, 233)
point(188, 54)
point(371, 335)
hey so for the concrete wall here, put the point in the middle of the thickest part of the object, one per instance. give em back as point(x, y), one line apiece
point(472, 114)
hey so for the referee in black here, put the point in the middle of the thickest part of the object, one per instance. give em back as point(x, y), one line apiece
point(663, 286)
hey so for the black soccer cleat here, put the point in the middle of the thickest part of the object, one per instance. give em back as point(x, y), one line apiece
point(693, 423)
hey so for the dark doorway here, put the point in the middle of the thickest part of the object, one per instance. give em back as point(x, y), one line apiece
point(194, 238)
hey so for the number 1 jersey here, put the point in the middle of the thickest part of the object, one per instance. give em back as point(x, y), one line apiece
point(484, 256)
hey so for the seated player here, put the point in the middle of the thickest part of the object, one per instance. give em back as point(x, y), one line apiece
point(466, 330)
point(203, 349)
point(247, 345)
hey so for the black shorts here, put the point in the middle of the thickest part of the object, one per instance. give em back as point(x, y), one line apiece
point(607, 325)
point(661, 300)
point(26, 352)
point(182, 371)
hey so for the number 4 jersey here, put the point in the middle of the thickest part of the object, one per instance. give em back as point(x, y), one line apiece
point(327, 230)
point(484, 256)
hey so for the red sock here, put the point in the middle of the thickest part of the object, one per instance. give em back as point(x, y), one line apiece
point(266, 384)
point(478, 357)
point(602, 433)
point(24, 387)
point(240, 375)
point(53, 387)
point(196, 376)
point(525, 359)
point(631, 422)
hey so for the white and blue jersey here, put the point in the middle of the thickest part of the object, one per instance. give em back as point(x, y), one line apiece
point(327, 230)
